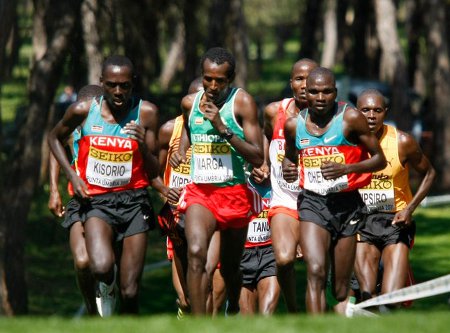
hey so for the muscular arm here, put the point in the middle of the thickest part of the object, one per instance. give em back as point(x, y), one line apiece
point(356, 130)
point(270, 115)
point(411, 154)
point(73, 117)
point(263, 172)
point(252, 147)
point(149, 120)
point(164, 135)
point(54, 200)
point(290, 161)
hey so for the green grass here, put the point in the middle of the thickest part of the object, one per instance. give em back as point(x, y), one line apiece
point(399, 323)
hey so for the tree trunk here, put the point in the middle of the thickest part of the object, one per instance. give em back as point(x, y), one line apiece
point(22, 177)
point(7, 18)
point(240, 42)
point(192, 33)
point(330, 30)
point(89, 11)
point(362, 58)
point(141, 40)
point(173, 59)
point(393, 65)
point(7, 23)
point(439, 88)
point(217, 23)
point(345, 36)
point(310, 29)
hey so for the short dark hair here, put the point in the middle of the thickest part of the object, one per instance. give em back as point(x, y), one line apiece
point(118, 60)
point(321, 71)
point(196, 85)
point(219, 55)
point(304, 61)
point(374, 92)
point(89, 91)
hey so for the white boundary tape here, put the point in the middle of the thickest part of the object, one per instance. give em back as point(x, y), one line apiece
point(434, 287)
point(435, 200)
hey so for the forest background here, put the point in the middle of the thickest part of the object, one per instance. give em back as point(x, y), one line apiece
point(400, 47)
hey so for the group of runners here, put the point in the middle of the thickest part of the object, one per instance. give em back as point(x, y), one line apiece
point(320, 181)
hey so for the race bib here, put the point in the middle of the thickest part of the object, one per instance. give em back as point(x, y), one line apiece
point(109, 169)
point(212, 163)
point(259, 229)
point(313, 178)
point(379, 195)
point(277, 160)
point(180, 176)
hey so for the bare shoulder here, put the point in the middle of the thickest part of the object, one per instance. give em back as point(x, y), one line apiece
point(406, 142)
point(149, 115)
point(245, 103)
point(271, 110)
point(77, 112)
point(165, 133)
point(149, 107)
point(187, 102)
point(167, 127)
point(351, 113)
point(354, 120)
point(291, 124)
point(243, 96)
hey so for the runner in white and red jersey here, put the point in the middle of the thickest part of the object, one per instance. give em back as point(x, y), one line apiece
point(330, 142)
point(282, 215)
point(113, 165)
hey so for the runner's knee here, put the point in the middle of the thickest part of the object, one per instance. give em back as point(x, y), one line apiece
point(101, 267)
point(316, 272)
point(285, 257)
point(197, 257)
point(81, 261)
point(129, 290)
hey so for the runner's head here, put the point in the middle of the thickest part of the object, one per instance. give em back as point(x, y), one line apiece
point(372, 104)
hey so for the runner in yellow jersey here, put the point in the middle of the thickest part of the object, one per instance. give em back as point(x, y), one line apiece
point(389, 230)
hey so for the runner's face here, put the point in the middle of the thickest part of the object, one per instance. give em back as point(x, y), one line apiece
point(321, 94)
point(372, 107)
point(299, 75)
point(215, 81)
point(117, 86)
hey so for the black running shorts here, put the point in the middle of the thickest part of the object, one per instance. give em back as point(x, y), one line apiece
point(257, 263)
point(128, 212)
point(342, 214)
point(380, 232)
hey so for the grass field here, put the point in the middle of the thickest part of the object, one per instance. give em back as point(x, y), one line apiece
point(399, 323)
